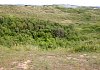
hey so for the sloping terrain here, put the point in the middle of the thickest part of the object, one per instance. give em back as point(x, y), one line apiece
point(49, 38)
point(50, 27)
point(52, 13)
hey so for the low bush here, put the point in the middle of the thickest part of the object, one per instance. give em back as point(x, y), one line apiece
point(46, 34)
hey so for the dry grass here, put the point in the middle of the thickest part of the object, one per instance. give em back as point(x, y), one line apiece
point(27, 58)
point(45, 13)
point(48, 60)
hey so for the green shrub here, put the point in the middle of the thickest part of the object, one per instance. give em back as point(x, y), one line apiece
point(48, 35)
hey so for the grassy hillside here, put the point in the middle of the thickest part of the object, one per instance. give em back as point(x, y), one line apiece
point(50, 27)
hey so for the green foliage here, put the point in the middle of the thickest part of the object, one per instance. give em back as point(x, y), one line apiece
point(76, 10)
point(20, 30)
point(82, 36)
point(63, 9)
point(58, 33)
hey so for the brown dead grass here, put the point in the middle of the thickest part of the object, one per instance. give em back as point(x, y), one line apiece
point(48, 60)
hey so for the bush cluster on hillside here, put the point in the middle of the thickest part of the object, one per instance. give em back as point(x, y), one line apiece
point(48, 35)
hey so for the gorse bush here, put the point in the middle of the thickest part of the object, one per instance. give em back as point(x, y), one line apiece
point(50, 35)
point(19, 30)
point(58, 33)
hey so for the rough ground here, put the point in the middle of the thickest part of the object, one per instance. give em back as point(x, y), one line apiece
point(37, 60)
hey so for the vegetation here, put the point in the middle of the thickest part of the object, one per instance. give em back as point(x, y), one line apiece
point(23, 28)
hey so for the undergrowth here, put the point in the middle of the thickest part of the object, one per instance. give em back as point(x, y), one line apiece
point(45, 34)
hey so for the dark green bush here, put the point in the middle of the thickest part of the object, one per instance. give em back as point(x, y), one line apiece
point(58, 33)
point(46, 34)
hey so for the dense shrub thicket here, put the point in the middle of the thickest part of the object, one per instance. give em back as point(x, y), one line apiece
point(49, 35)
